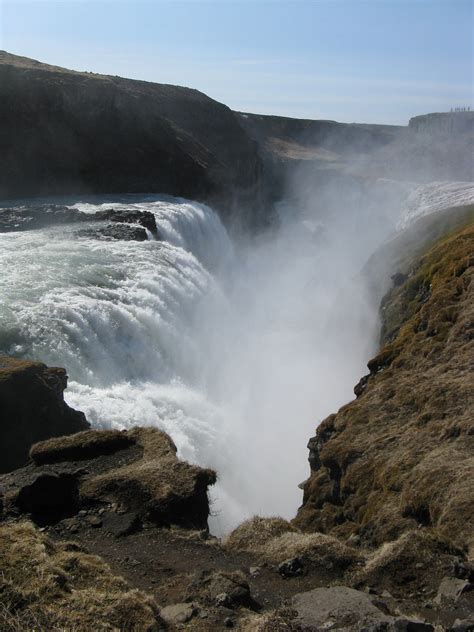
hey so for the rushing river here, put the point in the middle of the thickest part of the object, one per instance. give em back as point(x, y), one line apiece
point(237, 350)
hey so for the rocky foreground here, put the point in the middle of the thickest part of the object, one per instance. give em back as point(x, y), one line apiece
point(107, 530)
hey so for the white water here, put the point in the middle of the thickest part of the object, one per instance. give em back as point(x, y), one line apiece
point(429, 198)
point(236, 350)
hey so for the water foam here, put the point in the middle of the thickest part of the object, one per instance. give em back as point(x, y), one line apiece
point(237, 351)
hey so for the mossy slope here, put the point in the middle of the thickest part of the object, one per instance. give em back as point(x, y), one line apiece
point(402, 454)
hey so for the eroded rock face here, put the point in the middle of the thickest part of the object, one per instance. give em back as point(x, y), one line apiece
point(32, 409)
point(401, 456)
point(135, 474)
point(68, 132)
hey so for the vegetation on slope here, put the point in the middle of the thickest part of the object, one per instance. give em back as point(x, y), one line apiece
point(402, 455)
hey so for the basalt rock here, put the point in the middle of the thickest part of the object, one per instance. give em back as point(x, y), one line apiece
point(32, 409)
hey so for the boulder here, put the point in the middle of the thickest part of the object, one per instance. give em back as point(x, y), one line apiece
point(178, 613)
point(33, 409)
point(348, 610)
point(451, 589)
point(225, 590)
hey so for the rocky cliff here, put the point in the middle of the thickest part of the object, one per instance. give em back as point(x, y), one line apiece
point(32, 408)
point(66, 132)
point(400, 457)
point(431, 147)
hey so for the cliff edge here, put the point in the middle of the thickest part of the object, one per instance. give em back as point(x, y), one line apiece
point(401, 456)
point(68, 132)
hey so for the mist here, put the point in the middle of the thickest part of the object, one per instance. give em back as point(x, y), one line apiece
point(238, 346)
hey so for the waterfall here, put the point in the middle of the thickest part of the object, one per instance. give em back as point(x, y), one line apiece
point(237, 350)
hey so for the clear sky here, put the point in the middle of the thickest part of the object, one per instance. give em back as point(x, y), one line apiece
point(379, 61)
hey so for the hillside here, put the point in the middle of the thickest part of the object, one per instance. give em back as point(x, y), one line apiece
point(67, 132)
point(400, 456)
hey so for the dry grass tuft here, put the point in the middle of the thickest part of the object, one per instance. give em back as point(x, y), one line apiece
point(416, 558)
point(315, 549)
point(253, 534)
point(81, 446)
point(167, 490)
point(54, 587)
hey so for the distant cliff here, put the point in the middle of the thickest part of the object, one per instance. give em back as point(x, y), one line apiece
point(66, 132)
point(431, 147)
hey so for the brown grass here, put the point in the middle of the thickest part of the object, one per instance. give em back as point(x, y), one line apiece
point(58, 587)
point(83, 445)
point(254, 534)
point(402, 454)
point(167, 490)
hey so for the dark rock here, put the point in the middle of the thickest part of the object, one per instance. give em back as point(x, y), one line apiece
point(34, 217)
point(398, 278)
point(33, 409)
point(360, 387)
point(100, 134)
point(49, 498)
point(228, 590)
point(291, 568)
point(121, 524)
point(228, 622)
point(143, 218)
point(135, 472)
point(118, 231)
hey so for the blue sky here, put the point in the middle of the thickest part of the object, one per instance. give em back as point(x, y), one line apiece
point(379, 61)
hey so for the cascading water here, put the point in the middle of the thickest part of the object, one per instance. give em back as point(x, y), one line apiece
point(236, 350)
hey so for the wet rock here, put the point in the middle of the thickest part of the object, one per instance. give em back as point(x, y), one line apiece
point(291, 568)
point(178, 613)
point(118, 231)
point(121, 524)
point(143, 218)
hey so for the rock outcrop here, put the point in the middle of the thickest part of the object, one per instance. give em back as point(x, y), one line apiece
point(135, 473)
point(67, 132)
point(32, 409)
point(400, 457)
